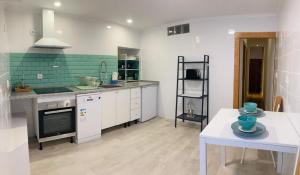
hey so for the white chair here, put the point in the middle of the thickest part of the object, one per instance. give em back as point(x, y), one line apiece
point(277, 106)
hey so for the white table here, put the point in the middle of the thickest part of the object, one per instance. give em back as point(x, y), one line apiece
point(281, 135)
point(295, 120)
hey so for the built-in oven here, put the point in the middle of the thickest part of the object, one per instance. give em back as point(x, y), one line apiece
point(56, 119)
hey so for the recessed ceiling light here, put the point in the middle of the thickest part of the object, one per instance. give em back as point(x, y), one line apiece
point(57, 4)
point(109, 27)
point(129, 21)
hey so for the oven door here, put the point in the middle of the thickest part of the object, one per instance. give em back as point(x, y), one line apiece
point(56, 122)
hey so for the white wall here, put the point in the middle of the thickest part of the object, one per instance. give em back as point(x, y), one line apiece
point(208, 36)
point(288, 72)
point(87, 36)
point(4, 74)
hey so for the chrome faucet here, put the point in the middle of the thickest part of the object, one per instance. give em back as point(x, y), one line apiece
point(102, 72)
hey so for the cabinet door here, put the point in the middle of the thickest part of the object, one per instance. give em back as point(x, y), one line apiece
point(108, 109)
point(123, 106)
point(135, 114)
point(135, 93)
point(149, 102)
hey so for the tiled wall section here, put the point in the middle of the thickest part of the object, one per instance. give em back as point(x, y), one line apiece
point(288, 71)
point(57, 69)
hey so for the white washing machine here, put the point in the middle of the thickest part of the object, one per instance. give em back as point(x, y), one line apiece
point(88, 117)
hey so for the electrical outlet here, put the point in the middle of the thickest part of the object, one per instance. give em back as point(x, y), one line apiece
point(39, 76)
point(33, 33)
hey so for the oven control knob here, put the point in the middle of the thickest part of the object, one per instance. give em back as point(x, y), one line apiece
point(67, 104)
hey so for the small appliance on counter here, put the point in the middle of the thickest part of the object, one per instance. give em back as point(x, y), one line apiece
point(114, 78)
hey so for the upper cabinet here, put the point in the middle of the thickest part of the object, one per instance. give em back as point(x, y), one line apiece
point(129, 64)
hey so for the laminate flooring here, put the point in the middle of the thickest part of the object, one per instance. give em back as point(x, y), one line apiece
point(151, 148)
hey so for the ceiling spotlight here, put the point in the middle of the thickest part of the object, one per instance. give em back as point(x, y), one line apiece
point(57, 4)
point(129, 21)
point(109, 27)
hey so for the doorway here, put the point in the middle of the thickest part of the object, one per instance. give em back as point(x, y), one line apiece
point(254, 68)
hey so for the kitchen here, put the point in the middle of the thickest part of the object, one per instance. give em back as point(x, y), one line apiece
point(79, 77)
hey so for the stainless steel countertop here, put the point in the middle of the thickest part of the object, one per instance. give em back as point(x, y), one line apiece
point(129, 85)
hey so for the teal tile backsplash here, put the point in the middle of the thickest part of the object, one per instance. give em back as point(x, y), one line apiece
point(57, 69)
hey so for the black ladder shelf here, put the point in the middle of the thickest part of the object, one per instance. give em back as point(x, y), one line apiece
point(201, 96)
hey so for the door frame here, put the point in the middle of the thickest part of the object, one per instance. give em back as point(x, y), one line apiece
point(237, 40)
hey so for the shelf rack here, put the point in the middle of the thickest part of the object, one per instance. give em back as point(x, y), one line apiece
point(129, 69)
point(201, 96)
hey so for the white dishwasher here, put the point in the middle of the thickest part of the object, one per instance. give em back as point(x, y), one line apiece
point(88, 117)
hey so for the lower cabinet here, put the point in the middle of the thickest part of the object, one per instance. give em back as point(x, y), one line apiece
point(115, 108)
point(136, 105)
point(149, 103)
point(108, 109)
point(123, 106)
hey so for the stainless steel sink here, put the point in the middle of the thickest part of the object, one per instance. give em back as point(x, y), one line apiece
point(110, 86)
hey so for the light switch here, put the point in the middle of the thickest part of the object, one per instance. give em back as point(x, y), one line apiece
point(40, 76)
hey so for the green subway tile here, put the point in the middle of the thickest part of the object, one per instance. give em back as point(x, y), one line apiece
point(71, 67)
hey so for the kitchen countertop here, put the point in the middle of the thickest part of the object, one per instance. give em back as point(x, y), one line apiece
point(15, 133)
point(14, 146)
point(32, 94)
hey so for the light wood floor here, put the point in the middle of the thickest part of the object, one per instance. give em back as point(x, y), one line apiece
point(151, 148)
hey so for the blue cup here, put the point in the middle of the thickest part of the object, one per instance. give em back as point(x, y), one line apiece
point(250, 106)
point(247, 122)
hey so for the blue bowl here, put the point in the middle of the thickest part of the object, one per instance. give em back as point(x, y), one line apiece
point(247, 122)
point(250, 106)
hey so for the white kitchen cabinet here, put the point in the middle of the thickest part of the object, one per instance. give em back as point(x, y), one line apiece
point(123, 106)
point(135, 104)
point(149, 103)
point(135, 114)
point(115, 108)
point(108, 109)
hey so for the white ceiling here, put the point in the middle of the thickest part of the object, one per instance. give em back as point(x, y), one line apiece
point(146, 13)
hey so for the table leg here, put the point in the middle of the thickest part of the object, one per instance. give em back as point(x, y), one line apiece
point(279, 162)
point(223, 156)
point(203, 157)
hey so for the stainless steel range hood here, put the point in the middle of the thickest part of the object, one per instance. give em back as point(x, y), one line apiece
point(48, 40)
